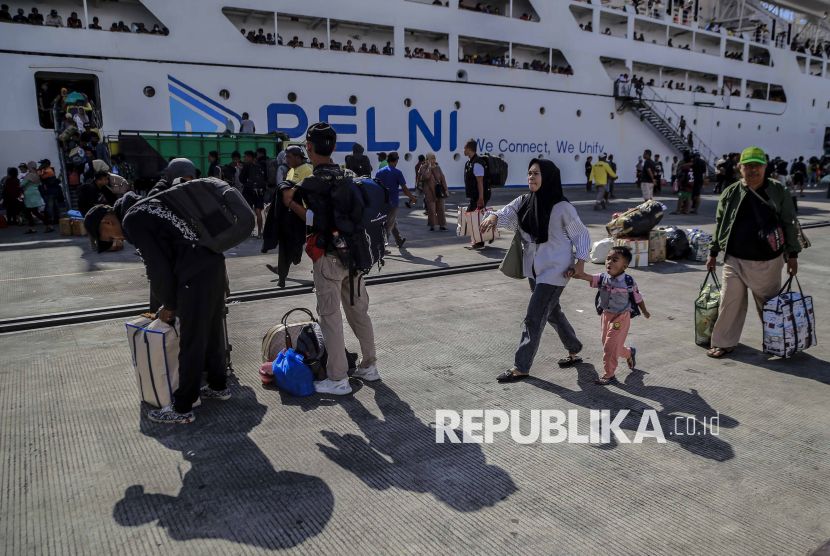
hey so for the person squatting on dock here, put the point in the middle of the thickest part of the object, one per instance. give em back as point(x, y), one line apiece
point(550, 230)
point(188, 280)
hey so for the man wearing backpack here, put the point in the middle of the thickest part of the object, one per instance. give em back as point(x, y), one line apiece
point(332, 280)
point(476, 184)
point(253, 187)
point(358, 162)
point(187, 279)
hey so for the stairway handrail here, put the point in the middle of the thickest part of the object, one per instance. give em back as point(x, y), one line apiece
point(707, 153)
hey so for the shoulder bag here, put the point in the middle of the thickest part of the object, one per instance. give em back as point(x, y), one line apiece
point(512, 265)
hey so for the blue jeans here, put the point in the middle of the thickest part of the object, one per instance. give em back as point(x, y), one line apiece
point(543, 307)
point(53, 213)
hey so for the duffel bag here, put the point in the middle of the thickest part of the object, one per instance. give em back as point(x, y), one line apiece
point(636, 222)
point(706, 309)
point(292, 374)
point(789, 322)
point(155, 349)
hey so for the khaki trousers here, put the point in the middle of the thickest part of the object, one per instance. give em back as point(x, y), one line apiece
point(331, 282)
point(762, 277)
point(392, 226)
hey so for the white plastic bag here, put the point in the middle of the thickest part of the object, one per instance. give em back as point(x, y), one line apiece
point(600, 249)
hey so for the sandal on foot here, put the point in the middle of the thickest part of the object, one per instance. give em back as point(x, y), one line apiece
point(633, 359)
point(569, 361)
point(606, 380)
point(723, 351)
point(510, 376)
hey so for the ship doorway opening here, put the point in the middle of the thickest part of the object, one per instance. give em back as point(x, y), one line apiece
point(50, 97)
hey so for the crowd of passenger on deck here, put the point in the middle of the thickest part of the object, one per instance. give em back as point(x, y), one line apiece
point(504, 62)
point(54, 19)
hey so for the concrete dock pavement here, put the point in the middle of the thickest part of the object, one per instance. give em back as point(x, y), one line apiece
point(83, 470)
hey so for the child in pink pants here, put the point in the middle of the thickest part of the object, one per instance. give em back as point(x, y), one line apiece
point(618, 300)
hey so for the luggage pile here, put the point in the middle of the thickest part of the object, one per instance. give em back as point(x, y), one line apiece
point(73, 225)
point(636, 229)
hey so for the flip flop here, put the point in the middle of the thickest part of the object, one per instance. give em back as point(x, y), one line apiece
point(717, 349)
point(510, 376)
point(570, 361)
point(606, 380)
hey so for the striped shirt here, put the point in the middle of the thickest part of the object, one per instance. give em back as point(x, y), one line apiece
point(548, 261)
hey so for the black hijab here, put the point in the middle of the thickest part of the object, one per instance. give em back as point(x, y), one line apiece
point(535, 208)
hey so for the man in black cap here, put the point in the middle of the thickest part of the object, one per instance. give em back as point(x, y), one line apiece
point(331, 278)
point(189, 281)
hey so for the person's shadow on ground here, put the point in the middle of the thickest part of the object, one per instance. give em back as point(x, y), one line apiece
point(231, 491)
point(455, 474)
point(677, 406)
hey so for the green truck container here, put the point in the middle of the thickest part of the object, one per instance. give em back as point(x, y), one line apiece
point(150, 151)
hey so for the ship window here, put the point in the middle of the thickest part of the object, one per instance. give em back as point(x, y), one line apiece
point(225, 94)
point(694, 122)
point(249, 23)
point(612, 115)
point(815, 67)
point(426, 45)
point(758, 55)
point(55, 81)
point(739, 126)
point(776, 129)
point(458, 105)
point(131, 13)
point(652, 33)
point(542, 110)
point(407, 157)
point(353, 100)
point(501, 108)
point(149, 92)
point(576, 158)
point(456, 157)
point(579, 113)
point(483, 52)
point(617, 25)
point(292, 97)
point(407, 102)
point(759, 128)
point(717, 124)
point(814, 102)
point(522, 9)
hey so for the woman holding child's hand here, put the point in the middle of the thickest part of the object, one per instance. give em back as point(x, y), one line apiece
point(550, 230)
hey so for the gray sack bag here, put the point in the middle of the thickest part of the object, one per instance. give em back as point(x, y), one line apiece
point(512, 265)
point(221, 216)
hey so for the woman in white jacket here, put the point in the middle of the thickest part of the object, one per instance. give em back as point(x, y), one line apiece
point(550, 230)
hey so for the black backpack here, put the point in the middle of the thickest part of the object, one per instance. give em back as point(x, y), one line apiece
point(362, 168)
point(229, 173)
point(273, 166)
point(256, 180)
point(495, 170)
point(361, 207)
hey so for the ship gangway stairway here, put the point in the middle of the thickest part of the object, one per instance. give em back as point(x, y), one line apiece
point(653, 109)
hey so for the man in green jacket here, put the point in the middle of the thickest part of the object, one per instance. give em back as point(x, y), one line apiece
point(750, 262)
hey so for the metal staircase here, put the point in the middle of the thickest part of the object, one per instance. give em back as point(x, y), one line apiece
point(94, 115)
point(653, 109)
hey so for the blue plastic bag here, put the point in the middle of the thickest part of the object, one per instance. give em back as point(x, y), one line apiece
point(292, 375)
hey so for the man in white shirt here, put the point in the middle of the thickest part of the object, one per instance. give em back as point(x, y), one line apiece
point(246, 125)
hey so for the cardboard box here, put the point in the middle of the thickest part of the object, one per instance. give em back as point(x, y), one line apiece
point(66, 226)
point(657, 245)
point(78, 228)
point(639, 259)
point(636, 245)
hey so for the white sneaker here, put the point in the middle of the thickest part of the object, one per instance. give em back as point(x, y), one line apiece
point(369, 374)
point(336, 387)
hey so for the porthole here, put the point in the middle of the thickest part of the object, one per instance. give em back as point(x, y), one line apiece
point(407, 157)
point(542, 110)
point(501, 156)
point(739, 126)
point(717, 124)
point(612, 115)
point(456, 157)
point(461, 75)
point(225, 94)
point(694, 122)
point(576, 158)
point(457, 105)
point(407, 102)
point(814, 102)
point(828, 105)
point(776, 129)
point(747, 106)
point(292, 97)
point(501, 108)
point(759, 128)
point(149, 92)
point(579, 113)
point(352, 100)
